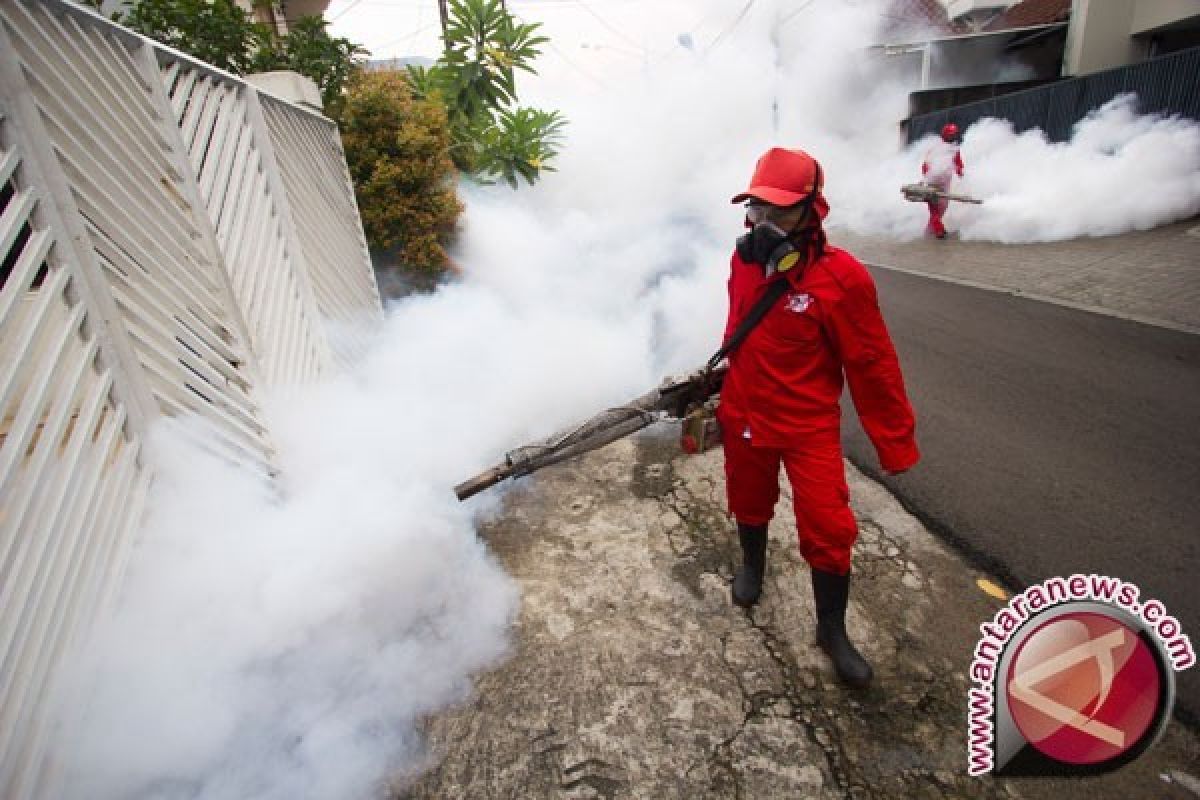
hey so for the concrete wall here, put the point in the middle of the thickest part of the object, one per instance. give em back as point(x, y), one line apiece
point(290, 86)
point(1151, 15)
point(1100, 36)
point(1112, 33)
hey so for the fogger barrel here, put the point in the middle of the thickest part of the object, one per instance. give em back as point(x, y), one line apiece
point(670, 399)
point(924, 193)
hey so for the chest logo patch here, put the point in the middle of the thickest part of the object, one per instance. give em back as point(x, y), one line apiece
point(798, 303)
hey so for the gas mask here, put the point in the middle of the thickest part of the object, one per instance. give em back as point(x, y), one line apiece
point(769, 245)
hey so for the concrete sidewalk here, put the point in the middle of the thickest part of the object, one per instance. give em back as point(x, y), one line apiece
point(633, 676)
point(1150, 276)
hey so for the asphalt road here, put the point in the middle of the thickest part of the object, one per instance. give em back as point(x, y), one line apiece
point(1054, 441)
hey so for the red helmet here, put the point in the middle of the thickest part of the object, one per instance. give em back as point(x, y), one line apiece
point(949, 132)
point(785, 177)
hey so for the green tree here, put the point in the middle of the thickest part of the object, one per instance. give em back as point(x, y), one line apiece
point(310, 50)
point(397, 149)
point(520, 144)
point(484, 48)
point(222, 34)
point(476, 80)
point(215, 31)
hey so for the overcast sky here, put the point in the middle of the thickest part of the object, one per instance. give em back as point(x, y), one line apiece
point(589, 38)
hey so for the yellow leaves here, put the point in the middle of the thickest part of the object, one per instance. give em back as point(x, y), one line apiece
point(397, 148)
point(498, 56)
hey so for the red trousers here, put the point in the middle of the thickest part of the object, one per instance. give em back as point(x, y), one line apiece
point(821, 499)
point(937, 208)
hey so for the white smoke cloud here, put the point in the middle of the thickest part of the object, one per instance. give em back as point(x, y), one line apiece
point(688, 128)
point(1120, 172)
point(281, 640)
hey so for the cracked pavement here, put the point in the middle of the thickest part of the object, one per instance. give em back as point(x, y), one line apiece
point(633, 676)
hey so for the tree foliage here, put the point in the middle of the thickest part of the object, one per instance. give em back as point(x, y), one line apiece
point(484, 48)
point(224, 35)
point(520, 144)
point(215, 31)
point(310, 50)
point(476, 80)
point(397, 149)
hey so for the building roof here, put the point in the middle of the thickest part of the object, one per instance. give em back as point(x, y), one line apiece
point(906, 20)
point(911, 20)
point(1032, 12)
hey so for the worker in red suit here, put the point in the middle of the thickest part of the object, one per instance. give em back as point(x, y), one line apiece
point(941, 163)
point(779, 404)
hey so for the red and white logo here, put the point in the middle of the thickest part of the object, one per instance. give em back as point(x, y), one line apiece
point(1084, 688)
point(798, 303)
point(1074, 676)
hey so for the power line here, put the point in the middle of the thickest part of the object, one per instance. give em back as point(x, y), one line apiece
point(606, 24)
point(741, 15)
point(576, 67)
point(407, 36)
point(342, 13)
point(696, 26)
point(563, 55)
point(795, 13)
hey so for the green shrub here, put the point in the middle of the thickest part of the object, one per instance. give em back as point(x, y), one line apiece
point(397, 148)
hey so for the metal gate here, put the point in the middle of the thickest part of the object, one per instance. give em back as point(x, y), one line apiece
point(1165, 85)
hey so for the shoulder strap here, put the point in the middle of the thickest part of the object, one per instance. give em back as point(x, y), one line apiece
point(774, 291)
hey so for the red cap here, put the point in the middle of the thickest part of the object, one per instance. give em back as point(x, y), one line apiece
point(785, 177)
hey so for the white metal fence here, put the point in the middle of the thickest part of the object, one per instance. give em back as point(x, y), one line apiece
point(172, 240)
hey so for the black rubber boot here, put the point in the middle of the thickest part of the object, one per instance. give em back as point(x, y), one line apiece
point(747, 583)
point(832, 593)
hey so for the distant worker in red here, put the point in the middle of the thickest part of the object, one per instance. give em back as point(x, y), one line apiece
point(779, 404)
point(942, 162)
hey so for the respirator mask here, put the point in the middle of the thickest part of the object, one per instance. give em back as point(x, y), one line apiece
point(766, 243)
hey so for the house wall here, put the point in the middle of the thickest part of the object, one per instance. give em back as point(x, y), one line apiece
point(1112, 33)
point(1099, 37)
point(1150, 15)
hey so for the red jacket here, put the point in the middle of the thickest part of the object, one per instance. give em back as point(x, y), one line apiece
point(785, 378)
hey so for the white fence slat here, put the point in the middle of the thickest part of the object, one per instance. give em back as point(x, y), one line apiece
point(24, 579)
point(14, 217)
point(24, 343)
point(31, 418)
point(182, 89)
point(31, 260)
point(50, 71)
point(225, 208)
point(8, 165)
point(36, 660)
point(219, 168)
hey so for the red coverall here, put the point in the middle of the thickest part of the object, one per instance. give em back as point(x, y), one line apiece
point(780, 399)
point(941, 164)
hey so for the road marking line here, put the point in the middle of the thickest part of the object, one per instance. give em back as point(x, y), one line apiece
point(991, 589)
